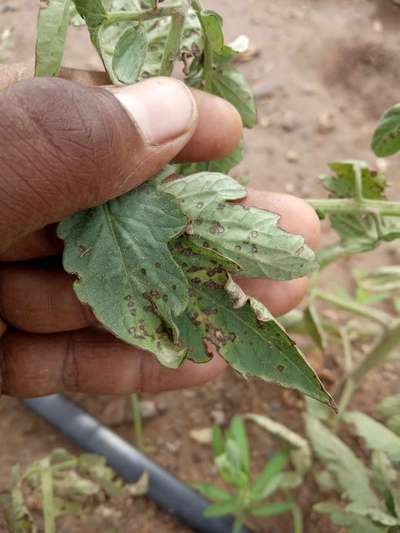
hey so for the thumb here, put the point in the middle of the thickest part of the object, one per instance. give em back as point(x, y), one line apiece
point(66, 147)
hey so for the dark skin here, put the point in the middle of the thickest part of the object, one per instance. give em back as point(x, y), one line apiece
point(66, 147)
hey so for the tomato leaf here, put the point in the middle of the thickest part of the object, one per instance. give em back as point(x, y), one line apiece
point(250, 237)
point(386, 139)
point(119, 251)
point(351, 474)
point(241, 329)
point(130, 54)
point(51, 34)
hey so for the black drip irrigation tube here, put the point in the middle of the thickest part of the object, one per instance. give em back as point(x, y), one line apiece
point(167, 491)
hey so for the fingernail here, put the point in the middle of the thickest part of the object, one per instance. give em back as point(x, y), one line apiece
point(163, 108)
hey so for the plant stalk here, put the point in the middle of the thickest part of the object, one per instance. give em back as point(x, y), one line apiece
point(146, 14)
point(352, 206)
point(377, 356)
point(365, 311)
point(137, 422)
point(173, 44)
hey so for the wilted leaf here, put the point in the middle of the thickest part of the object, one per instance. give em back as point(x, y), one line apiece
point(126, 272)
point(386, 140)
point(375, 434)
point(51, 33)
point(339, 459)
point(72, 485)
point(300, 454)
point(250, 237)
point(130, 54)
point(17, 516)
point(140, 487)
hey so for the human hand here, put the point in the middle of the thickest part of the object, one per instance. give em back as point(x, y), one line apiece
point(65, 147)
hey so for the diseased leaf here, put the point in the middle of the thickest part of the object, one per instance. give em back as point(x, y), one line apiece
point(129, 55)
point(375, 434)
point(126, 272)
point(51, 33)
point(339, 459)
point(300, 453)
point(241, 329)
point(386, 140)
point(248, 236)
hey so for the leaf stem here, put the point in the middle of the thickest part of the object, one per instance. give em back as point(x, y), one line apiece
point(173, 43)
point(365, 311)
point(347, 205)
point(208, 63)
point(146, 14)
point(377, 356)
point(137, 422)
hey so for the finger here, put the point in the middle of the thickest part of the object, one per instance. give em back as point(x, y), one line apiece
point(52, 306)
point(64, 147)
point(296, 217)
point(92, 362)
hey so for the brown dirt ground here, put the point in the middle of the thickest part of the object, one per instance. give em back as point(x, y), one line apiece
point(331, 58)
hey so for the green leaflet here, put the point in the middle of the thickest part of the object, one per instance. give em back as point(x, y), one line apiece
point(230, 84)
point(386, 139)
point(241, 329)
point(351, 474)
point(93, 12)
point(218, 165)
point(375, 434)
point(250, 237)
point(212, 24)
point(51, 33)
point(129, 55)
point(360, 232)
point(126, 272)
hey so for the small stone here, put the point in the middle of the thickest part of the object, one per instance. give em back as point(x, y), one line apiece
point(148, 409)
point(326, 123)
point(162, 406)
point(289, 121)
point(189, 393)
point(289, 187)
point(292, 156)
point(377, 26)
point(173, 446)
point(219, 417)
point(265, 122)
point(202, 436)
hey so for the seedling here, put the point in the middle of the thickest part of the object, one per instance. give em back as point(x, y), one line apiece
point(247, 497)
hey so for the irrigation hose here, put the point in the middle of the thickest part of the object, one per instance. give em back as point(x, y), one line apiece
point(167, 491)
